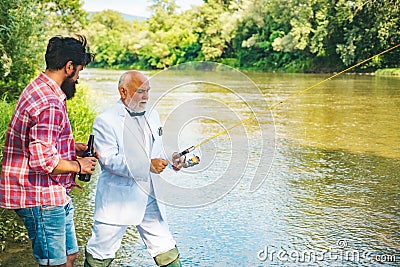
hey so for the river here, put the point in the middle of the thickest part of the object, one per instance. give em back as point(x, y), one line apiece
point(309, 180)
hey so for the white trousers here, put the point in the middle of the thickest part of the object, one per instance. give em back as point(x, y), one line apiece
point(154, 231)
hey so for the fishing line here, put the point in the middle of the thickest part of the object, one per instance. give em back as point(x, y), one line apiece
point(184, 152)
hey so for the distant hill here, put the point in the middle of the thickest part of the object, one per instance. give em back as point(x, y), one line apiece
point(132, 18)
point(125, 16)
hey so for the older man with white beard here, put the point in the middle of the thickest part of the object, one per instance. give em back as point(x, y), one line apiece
point(129, 145)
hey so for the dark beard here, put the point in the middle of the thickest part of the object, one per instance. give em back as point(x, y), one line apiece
point(69, 88)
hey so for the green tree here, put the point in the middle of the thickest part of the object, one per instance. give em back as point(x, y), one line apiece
point(217, 22)
point(110, 19)
point(264, 22)
point(369, 27)
point(170, 38)
point(64, 16)
point(22, 44)
point(106, 37)
point(110, 39)
point(317, 35)
point(25, 26)
point(159, 26)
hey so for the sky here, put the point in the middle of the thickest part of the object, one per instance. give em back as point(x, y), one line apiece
point(131, 7)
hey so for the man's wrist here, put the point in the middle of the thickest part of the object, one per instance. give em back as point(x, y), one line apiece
point(79, 167)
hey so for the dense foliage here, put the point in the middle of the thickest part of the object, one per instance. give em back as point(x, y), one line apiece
point(269, 35)
point(298, 35)
point(25, 27)
point(272, 35)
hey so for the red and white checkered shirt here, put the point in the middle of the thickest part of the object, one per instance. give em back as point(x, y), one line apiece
point(38, 136)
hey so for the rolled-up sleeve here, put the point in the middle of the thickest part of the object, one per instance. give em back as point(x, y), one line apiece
point(43, 136)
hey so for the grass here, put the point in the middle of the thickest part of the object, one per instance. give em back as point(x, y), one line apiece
point(81, 117)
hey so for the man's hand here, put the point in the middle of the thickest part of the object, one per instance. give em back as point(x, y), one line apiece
point(87, 164)
point(177, 162)
point(158, 165)
point(82, 147)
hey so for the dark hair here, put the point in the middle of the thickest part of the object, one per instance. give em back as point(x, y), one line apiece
point(60, 50)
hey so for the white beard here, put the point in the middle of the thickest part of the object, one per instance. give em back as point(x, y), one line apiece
point(135, 107)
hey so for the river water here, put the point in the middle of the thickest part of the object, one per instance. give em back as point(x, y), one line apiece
point(309, 180)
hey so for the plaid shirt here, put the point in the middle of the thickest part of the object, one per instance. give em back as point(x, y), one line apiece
point(38, 135)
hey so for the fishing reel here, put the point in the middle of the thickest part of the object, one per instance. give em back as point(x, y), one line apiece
point(190, 162)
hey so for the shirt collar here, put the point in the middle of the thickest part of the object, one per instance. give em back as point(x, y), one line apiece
point(54, 86)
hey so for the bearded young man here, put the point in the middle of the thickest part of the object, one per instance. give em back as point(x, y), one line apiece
point(40, 156)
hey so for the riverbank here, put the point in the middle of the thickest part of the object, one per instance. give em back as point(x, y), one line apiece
point(388, 72)
point(378, 72)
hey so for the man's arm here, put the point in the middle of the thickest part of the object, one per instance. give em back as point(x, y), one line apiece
point(85, 166)
point(43, 135)
point(44, 156)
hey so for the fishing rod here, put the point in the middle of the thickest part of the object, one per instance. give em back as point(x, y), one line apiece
point(190, 149)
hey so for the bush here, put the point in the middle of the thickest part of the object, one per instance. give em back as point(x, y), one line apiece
point(81, 115)
point(7, 109)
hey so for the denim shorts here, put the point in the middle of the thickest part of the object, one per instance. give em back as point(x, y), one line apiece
point(52, 232)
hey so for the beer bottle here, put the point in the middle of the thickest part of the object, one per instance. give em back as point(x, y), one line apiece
point(88, 153)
